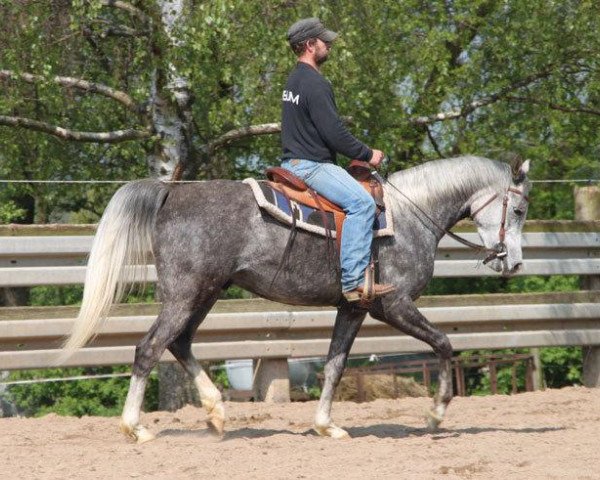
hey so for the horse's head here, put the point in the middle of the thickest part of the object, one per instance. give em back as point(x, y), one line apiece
point(499, 216)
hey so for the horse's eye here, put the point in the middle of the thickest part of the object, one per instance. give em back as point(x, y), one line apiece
point(518, 211)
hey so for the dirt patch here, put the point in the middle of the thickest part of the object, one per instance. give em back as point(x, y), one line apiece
point(542, 435)
point(376, 386)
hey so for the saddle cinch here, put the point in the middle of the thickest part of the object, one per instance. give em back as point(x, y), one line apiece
point(296, 191)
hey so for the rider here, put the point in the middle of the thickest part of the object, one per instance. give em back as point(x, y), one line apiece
point(311, 134)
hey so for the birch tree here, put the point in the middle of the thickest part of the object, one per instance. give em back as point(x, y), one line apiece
point(107, 89)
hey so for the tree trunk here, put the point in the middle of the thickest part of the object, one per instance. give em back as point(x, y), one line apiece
point(175, 388)
point(171, 110)
point(171, 106)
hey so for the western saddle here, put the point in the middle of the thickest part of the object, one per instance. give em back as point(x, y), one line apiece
point(294, 189)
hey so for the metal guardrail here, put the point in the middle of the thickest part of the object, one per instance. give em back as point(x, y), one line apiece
point(29, 338)
point(60, 260)
point(285, 332)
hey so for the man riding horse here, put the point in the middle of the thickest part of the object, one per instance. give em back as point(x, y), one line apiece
point(311, 135)
point(206, 236)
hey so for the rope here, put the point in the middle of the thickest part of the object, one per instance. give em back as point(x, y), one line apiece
point(576, 180)
point(65, 379)
point(90, 182)
point(69, 182)
point(371, 358)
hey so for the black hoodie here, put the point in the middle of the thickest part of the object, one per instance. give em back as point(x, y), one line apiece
point(310, 125)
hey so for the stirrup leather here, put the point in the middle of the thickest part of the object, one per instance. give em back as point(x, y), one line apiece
point(368, 293)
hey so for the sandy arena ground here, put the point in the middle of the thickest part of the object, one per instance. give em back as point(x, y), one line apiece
point(542, 435)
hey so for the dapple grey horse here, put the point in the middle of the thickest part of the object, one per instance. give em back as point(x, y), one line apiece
point(206, 236)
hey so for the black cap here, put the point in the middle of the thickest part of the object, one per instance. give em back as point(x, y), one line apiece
point(308, 28)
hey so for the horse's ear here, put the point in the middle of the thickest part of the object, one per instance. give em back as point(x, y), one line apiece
point(515, 161)
point(520, 171)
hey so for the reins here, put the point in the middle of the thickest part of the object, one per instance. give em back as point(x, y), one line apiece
point(499, 251)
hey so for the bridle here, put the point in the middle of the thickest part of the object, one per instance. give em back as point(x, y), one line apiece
point(499, 250)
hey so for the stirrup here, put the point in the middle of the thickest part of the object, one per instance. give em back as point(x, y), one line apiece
point(369, 291)
point(379, 290)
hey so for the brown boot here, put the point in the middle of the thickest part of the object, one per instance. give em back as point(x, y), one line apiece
point(379, 290)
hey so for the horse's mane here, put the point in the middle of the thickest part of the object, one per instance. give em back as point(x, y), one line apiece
point(429, 183)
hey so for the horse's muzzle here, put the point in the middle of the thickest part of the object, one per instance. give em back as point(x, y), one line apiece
point(516, 268)
point(499, 252)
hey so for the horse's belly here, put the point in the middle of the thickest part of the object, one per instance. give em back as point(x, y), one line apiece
point(291, 288)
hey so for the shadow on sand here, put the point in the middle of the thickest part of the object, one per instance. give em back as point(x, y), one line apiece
point(232, 434)
point(379, 431)
point(401, 431)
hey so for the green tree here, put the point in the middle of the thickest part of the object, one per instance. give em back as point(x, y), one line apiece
point(154, 84)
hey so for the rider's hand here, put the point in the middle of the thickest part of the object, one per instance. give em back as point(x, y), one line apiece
point(376, 158)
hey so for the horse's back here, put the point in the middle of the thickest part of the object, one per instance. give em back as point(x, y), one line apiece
point(200, 220)
point(207, 201)
point(215, 228)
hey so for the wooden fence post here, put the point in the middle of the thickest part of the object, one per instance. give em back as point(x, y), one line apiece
point(538, 370)
point(587, 207)
point(272, 380)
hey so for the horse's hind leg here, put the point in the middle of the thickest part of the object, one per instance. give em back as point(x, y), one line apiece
point(172, 321)
point(347, 324)
point(402, 314)
point(210, 395)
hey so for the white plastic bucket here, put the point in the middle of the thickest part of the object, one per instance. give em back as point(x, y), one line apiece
point(299, 371)
point(239, 373)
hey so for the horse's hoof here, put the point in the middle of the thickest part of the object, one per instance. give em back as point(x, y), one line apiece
point(138, 433)
point(216, 425)
point(216, 418)
point(143, 435)
point(433, 420)
point(332, 431)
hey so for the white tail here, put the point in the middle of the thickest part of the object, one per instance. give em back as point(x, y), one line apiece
point(123, 238)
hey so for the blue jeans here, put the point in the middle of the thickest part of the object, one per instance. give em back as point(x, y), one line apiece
point(338, 186)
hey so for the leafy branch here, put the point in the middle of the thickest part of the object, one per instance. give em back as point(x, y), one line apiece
point(239, 133)
point(554, 106)
point(115, 136)
point(77, 83)
point(474, 105)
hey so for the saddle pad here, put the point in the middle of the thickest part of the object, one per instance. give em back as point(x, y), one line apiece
point(307, 218)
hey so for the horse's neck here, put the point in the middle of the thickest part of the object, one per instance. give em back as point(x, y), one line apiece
point(442, 193)
point(450, 210)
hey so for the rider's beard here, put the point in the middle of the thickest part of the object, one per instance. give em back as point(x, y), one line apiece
point(321, 59)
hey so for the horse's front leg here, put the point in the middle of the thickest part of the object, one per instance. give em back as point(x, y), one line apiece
point(347, 324)
point(401, 313)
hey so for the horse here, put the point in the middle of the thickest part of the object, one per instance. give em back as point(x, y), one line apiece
point(206, 236)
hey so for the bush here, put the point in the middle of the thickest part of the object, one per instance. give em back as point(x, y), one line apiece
point(562, 367)
point(101, 397)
